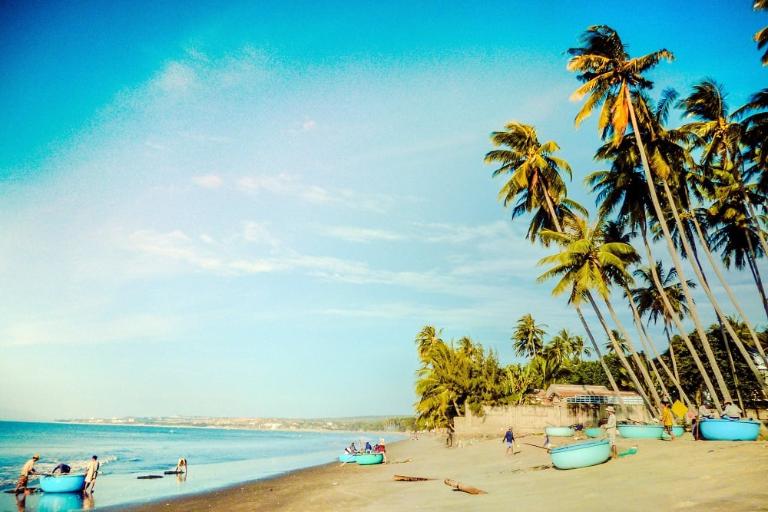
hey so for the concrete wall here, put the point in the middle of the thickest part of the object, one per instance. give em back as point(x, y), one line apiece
point(534, 418)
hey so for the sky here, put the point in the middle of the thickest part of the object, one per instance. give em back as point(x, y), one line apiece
point(252, 209)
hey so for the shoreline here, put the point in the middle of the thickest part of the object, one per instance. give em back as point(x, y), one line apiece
point(678, 475)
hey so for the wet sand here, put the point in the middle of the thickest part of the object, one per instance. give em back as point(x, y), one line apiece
point(662, 476)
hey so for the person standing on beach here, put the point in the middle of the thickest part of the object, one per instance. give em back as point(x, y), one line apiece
point(704, 413)
point(509, 440)
point(181, 466)
point(27, 469)
point(610, 429)
point(91, 472)
point(667, 420)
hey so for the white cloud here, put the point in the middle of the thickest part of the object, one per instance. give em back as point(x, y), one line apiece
point(308, 125)
point(176, 77)
point(208, 181)
point(356, 234)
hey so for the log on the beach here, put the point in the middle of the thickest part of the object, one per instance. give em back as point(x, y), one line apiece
point(149, 477)
point(172, 472)
point(400, 461)
point(404, 478)
point(463, 487)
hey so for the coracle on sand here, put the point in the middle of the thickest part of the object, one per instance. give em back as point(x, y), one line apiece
point(581, 455)
point(63, 483)
point(729, 430)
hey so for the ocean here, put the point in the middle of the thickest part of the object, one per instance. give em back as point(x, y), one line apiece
point(216, 457)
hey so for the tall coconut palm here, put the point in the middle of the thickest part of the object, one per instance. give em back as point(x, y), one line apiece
point(539, 188)
point(528, 336)
point(582, 265)
point(761, 37)
point(563, 347)
point(427, 338)
point(615, 80)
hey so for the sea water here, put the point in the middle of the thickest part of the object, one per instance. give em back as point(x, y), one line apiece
point(216, 457)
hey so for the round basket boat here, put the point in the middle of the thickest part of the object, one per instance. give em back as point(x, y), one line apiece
point(647, 431)
point(367, 459)
point(60, 502)
point(581, 455)
point(559, 431)
point(63, 483)
point(347, 457)
point(594, 432)
point(729, 430)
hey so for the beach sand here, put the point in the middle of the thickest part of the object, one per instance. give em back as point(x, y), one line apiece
point(662, 476)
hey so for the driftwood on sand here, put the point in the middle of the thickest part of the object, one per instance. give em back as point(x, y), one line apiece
point(404, 478)
point(463, 487)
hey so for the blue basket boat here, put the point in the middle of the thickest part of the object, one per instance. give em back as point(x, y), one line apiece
point(347, 457)
point(581, 455)
point(647, 431)
point(60, 502)
point(367, 459)
point(594, 432)
point(729, 430)
point(559, 431)
point(63, 483)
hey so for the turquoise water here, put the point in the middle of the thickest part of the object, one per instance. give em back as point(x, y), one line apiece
point(217, 458)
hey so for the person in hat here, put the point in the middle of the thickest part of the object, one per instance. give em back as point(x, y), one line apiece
point(91, 472)
point(27, 469)
point(610, 430)
point(667, 420)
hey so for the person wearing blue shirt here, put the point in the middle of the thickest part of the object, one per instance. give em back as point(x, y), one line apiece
point(509, 440)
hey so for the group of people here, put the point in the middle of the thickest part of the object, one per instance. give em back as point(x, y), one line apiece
point(379, 447)
point(28, 469)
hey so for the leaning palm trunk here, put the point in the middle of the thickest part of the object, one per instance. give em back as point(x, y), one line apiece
point(675, 256)
point(671, 315)
point(672, 356)
point(648, 345)
point(752, 261)
point(620, 353)
point(599, 355)
point(635, 356)
point(729, 291)
point(705, 286)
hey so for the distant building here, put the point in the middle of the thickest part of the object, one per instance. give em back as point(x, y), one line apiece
point(583, 394)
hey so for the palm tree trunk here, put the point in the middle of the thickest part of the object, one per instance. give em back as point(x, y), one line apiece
point(705, 286)
point(634, 354)
point(673, 252)
point(599, 355)
point(620, 353)
point(731, 295)
point(752, 261)
point(733, 366)
point(671, 350)
point(648, 344)
point(672, 315)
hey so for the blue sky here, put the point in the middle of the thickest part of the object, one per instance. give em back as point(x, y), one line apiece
point(251, 210)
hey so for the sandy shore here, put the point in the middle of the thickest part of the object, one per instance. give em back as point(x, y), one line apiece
point(679, 475)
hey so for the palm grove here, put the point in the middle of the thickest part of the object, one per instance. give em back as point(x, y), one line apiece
point(699, 190)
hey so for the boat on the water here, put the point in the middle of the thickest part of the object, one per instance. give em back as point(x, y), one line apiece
point(62, 483)
point(581, 455)
point(647, 431)
point(367, 459)
point(594, 432)
point(349, 458)
point(559, 431)
point(729, 430)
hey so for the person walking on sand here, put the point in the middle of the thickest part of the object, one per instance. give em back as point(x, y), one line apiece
point(667, 420)
point(509, 440)
point(27, 469)
point(91, 472)
point(181, 466)
point(610, 430)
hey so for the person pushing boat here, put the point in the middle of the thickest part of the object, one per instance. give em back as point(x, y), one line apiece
point(181, 466)
point(27, 469)
point(610, 430)
point(91, 472)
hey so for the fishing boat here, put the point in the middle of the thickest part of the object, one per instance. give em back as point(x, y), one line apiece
point(348, 458)
point(729, 430)
point(62, 483)
point(647, 431)
point(594, 432)
point(559, 431)
point(367, 459)
point(581, 455)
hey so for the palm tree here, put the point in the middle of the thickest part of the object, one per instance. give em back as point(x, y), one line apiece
point(615, 80)
point(563, 347)
point(761, 37)
point(621, 343)
point(528, 337)
point(426, 340)
point(582, 266)
point(538, 188)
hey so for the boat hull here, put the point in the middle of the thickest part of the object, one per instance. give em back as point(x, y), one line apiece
point(64, 483)
point(647, 431)
point(367, 459)
point(347, 457)
point(594, 432)
point(729, 430)
point(559, 431)
point(581, 455)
